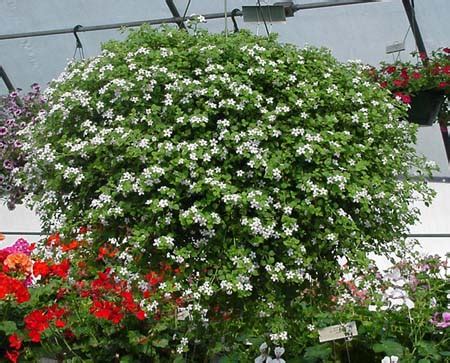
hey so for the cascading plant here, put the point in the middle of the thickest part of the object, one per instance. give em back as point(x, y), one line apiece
point(245, 165)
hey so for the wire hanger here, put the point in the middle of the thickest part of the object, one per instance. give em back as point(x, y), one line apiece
point(233, 19)
point(78, 45)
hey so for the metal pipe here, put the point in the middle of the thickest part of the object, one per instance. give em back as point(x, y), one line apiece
point(327, 4)
point(431, 235)
point(176, 19)
point(23, 233)
point(173, 9)
point(412, 235)
point(409, 9)
point(6, 79)
point(107, 26)
point(9, 85)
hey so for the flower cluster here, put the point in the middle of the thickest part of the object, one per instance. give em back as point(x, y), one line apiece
point(44, 296)
point(406, 79)
point(16, 112)
point(15, 271)
point(220, 177)
point(400, 310)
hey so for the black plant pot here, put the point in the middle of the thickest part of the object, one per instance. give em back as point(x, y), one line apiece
point(425, 106)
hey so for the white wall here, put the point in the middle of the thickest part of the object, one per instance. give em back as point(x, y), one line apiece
point(18, 220)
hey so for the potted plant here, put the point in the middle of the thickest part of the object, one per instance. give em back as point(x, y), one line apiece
point(424, 85)
point(17, 111)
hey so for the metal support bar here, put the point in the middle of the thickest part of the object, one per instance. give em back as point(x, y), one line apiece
point(176, 20)
point(108, 26)
point(22, 233)
point(6, 79)
point(412, 235)
point(429, 235)
point(327, 4)
point(173, 9)
point(409, 9)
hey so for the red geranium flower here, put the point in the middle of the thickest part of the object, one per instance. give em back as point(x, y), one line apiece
point(391, 69)
point(61, 269)
point(107, 310)
point(404, 98)
point(12, 356)
point(83, 230)
point(36, 322)
point(35, 336)
point(71, 246)
point(11, 286)
point(60, 323)
point(398, 82)
point(54, 240)
point(140, 315)
point(154, 278)
point(40, 269)
point(15, 342)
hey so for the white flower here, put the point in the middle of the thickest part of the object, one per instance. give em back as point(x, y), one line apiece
point(264, 354)
point(391, 359)
point(279, 351)
point(342, 261)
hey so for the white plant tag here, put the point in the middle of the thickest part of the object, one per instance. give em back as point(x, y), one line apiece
point(335, 332)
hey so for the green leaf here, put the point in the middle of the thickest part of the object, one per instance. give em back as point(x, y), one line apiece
point(389, 347)
point(317, 352)
point(179, 359)
point(161, 343)
point(8, 327)
point(127, 359)
point(229, 358)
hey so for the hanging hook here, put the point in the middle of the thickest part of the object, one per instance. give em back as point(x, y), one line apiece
point(78, 45)
point(233, 18)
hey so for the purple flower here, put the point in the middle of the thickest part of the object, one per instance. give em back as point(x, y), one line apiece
point(442, 324)
point(3, 130)
point(445, 321)
point(18, 144)
point(10, 122)
point(35, 87)
point(8, 165)
point(20, 245)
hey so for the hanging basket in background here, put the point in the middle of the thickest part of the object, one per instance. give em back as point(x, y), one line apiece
point(425, 106)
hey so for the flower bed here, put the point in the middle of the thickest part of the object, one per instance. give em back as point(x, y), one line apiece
point(74, 310)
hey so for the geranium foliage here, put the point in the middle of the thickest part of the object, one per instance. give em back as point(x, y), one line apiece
point(225, 175)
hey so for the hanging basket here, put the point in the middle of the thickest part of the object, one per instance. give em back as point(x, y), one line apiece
point(425, 106)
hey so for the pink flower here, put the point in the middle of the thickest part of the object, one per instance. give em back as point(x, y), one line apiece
point(20, 246)
point(442, 324)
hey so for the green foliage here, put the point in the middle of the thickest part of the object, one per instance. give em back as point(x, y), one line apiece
point(246, 165)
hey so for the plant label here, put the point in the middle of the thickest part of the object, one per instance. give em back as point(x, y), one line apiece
point(340, 331)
